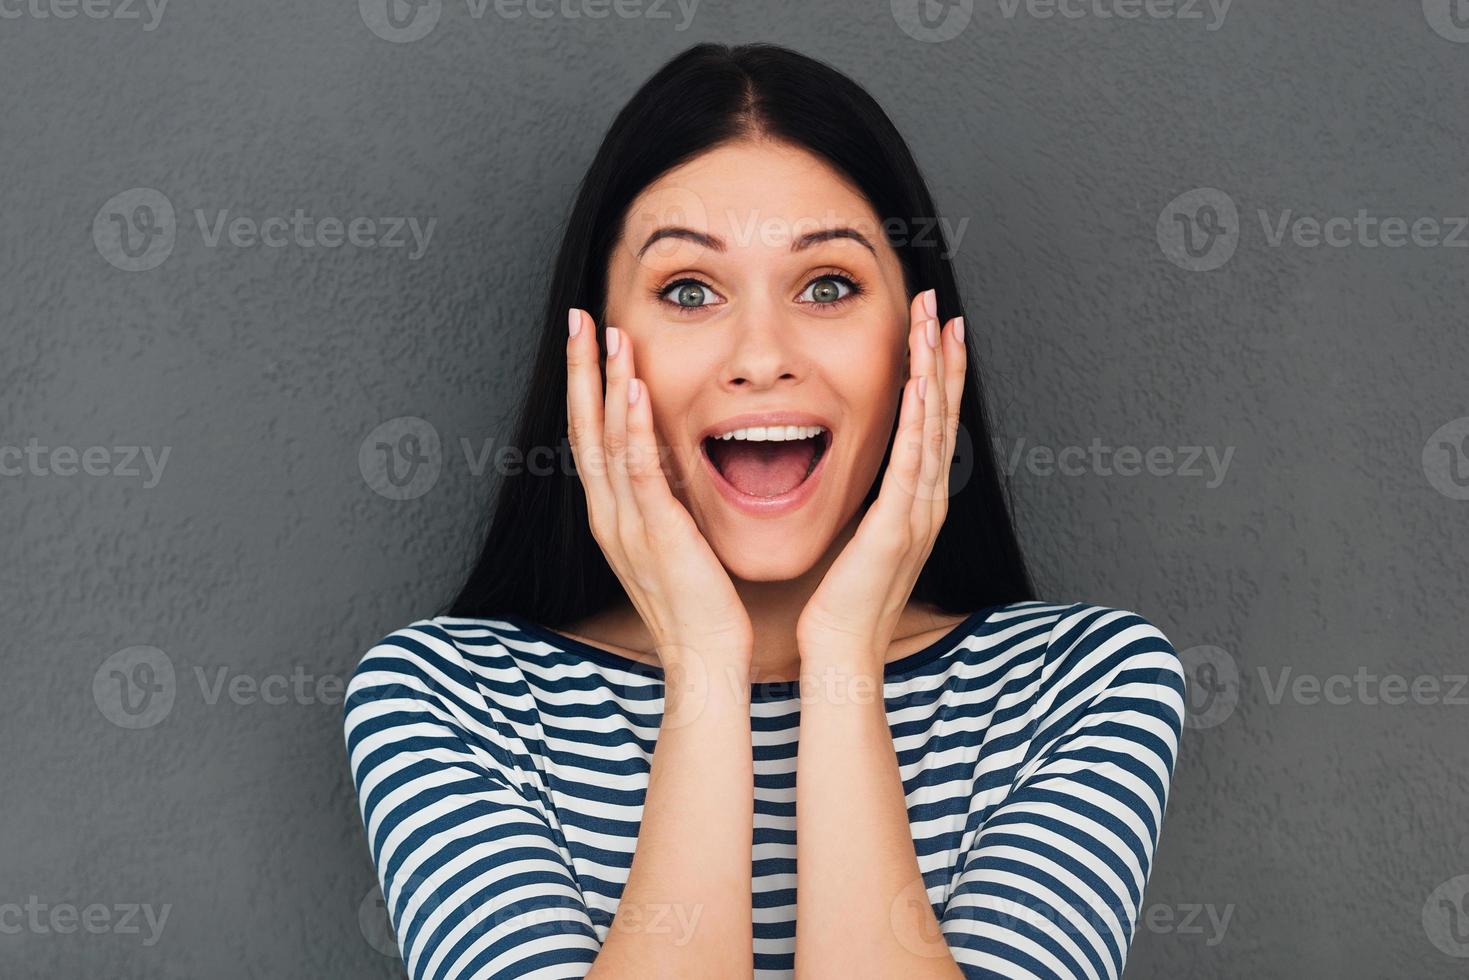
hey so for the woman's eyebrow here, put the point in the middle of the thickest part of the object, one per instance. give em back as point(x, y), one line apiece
point(828, 234)
point(697, 237)
point(711, 242)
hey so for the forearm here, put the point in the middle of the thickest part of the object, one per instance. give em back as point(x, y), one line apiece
point(861, 909)
point(686, 908)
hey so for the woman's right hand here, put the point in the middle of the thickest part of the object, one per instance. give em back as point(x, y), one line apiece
point(670, 574)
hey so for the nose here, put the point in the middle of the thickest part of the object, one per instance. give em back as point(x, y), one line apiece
point(763, 351)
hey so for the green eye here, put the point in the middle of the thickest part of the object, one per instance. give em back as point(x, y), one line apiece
point(828, 289)
point(687, 294)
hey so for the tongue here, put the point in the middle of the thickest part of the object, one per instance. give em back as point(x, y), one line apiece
point(763, 469)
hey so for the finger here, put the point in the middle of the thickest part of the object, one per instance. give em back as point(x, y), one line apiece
point(927, 367)
point(905, 462)
point(895, 497)
point(614, 425)
point(956, 362)
point(653, 497)
point(584, 414)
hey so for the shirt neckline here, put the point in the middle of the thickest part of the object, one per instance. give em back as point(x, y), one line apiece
point(762, 689)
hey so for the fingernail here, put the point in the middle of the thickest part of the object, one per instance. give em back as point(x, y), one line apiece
point(634, 388)
point(931, 329)
point(959, 329)
point(930, 302)
point(614, 341)
point(922, 386)
point(573, 321)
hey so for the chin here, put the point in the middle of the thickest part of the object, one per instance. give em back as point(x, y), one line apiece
point(756, 558)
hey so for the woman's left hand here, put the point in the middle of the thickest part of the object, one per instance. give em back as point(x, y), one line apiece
point(853, 614)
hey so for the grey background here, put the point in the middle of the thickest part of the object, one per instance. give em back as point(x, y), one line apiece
point(1322, 830)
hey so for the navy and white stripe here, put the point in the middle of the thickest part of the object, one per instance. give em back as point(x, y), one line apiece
point(501, 770)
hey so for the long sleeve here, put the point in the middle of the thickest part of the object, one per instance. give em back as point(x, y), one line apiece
point(1053, 880)
point(473, 865)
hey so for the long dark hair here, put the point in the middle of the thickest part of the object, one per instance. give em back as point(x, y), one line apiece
point(539, 560)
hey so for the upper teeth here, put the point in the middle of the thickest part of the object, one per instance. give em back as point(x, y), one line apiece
point(773, 433)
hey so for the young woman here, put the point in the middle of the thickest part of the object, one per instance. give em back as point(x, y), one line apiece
point(590, 766)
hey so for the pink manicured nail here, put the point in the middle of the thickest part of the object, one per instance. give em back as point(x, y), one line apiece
point(959, 329)
point(573, 321)
point(922, 387)
point(614, 341)
point(930, 302)
point(634, 388)
point(931, 330)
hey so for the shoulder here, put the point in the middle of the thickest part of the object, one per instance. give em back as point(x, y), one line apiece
point(1100, 657)
point(442, 658)
point(1074, 648)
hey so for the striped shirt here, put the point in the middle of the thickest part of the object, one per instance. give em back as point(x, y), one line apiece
point(501, 770)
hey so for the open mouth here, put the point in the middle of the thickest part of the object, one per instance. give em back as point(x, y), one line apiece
point(767, 461)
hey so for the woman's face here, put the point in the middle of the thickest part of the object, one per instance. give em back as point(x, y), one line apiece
point(757, 289)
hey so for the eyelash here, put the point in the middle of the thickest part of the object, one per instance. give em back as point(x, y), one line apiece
point(855, 288)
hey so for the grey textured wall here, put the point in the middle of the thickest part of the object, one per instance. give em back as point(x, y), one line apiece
point(176, 627)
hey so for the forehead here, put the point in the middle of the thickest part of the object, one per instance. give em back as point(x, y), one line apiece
point(752, 194)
